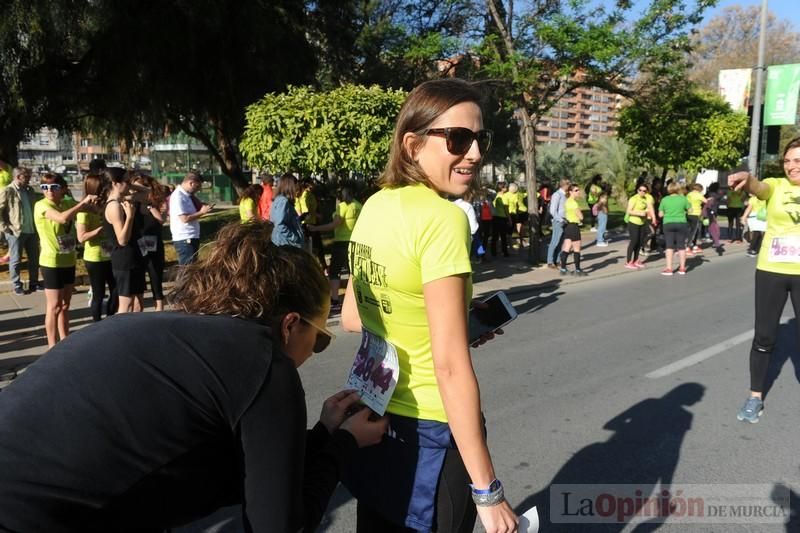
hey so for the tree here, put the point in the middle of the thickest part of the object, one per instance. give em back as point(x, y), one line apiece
point(553, 47)
point(345, 129)
point(614, 161)
point(684, 127)
point(730, 40)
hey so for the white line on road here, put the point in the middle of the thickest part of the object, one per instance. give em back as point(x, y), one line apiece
point(702, 355)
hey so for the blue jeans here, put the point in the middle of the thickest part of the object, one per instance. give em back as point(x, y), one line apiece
point(186, 250)
point(555, 242)
point(602, 222)
point(30, 243)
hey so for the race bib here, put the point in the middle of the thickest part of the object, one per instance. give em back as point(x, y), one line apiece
point(148, 243)
point(785, 250)
point(374, 372)
point(66, 244)
point(106, 248)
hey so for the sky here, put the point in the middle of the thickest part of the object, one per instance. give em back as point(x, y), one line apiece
point(783, 9)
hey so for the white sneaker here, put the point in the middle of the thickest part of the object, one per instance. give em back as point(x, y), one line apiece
point(593, 230)
point(602, 244)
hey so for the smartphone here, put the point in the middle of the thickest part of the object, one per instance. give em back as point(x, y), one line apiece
point(498, 313)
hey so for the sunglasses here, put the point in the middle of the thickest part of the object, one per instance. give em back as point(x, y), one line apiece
point(324, 337)
point(52, 187)
point(459, 140)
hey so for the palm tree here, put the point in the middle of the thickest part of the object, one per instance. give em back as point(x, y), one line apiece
point(613, 160)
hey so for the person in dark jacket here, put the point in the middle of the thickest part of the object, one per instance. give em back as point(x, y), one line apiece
point(147, 421)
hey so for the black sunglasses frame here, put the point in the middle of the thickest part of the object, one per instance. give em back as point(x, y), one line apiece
point(459, 140)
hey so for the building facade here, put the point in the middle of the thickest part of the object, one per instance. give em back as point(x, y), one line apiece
point(47, 149)
point(583, 114)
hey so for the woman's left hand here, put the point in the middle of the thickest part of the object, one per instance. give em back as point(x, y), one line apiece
point(335, 409)
point(486, 337)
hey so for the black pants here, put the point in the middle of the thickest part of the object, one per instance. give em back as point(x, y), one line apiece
point(500, 230)
point(694, 230)
point(734, 223)
point(155, 269)
point(455, 511)
point(755, 241)
point(637, 234)
point(485, 230)
point(100, 276)
point(771, 293)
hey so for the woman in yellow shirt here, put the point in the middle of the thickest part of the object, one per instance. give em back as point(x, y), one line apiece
point(248, 203)
point(572, 232)
point(54, 216)
point(410, 288)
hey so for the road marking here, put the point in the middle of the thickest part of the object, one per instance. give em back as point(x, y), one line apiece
point(702, 355)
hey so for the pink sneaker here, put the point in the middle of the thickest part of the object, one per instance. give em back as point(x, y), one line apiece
point(639, 264)
point(631, 266)
point(666, 272)
point(682, 271)
point(5, 259)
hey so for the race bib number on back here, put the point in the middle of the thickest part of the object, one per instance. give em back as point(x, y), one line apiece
point(148, 243)
point(785, 250)
point(374, 372)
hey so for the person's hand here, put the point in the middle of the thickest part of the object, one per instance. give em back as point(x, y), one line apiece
point(335, 409)
point(89, 199)
point(127, 208)
point(206, 208)
point(498, 518)
point(364, 429)
point(738, 180)
point(486, 337)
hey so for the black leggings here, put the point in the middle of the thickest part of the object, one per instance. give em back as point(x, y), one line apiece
point(499, 230)
point(694, 230)
point(734, 223)
point(771, 293)
point(637, 234)
point(100, 276)
point(455, 511)
point(155, 269)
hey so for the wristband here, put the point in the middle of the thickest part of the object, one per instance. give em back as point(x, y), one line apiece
point(488, 497)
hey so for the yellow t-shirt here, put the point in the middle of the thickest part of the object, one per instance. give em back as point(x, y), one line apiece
point(511, 199)
point(499, 206)
point(571, 209)
point(56, 241)
point(97, 249)
point(695, 203)
point(307, 203)
point(404, 238)
point(522, 201)
point(349, 214)
point(637, 203)
point(782, 237)
point(247, 210)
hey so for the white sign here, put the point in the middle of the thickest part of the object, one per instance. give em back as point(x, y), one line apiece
point(374, 372)
point(529, 521)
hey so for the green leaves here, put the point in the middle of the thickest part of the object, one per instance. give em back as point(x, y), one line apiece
point(347, 129)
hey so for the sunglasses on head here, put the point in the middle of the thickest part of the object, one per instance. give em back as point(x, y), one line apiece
point(459, 140)
point(52, 187)
point(324, 337)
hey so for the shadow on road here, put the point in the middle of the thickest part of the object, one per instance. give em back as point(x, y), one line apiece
point(786, 347)
point(793, 523)
point(644, 450)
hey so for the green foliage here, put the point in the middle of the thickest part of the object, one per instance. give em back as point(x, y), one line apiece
point(684, 127)
point(554, 163)
point(614, 161)
point(345, 129)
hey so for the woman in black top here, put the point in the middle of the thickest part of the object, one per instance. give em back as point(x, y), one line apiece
point(146, 421)
point(152, 234)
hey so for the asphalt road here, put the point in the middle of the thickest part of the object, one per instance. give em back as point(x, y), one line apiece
point(580, 391)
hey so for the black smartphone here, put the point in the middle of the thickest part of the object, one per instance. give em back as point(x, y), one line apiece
point(497, 314)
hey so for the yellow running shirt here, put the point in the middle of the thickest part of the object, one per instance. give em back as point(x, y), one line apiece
point(97, 249)
point(307, 203)
point(571, 209)
point(57, 241)
point(349, 214)
point(404, 238)
point(637, 203)
point(695, 203)
point(780, 249)
point(247, 210)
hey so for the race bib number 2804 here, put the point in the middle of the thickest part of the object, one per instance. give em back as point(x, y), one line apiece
point(374, 372)
point(785, 250)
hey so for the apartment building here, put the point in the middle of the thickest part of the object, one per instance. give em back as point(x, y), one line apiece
point(46, 148)
point(582, 115)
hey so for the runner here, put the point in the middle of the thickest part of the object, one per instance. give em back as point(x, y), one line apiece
point(636, 215)
point(735, 206)
point(54, 216)
point(672, 210)
point(411, 285)
point(696, 203)
point(710, 216)
point(248, 203)
point(778, 267)
point(600, 211)
point(593, 190)
point(501, 220)
point(755, 218)
point(152, 209)
point(572, 232)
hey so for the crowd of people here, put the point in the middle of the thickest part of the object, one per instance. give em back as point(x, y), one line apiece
point(201, 407)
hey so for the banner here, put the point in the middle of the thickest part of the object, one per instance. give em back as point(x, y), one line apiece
point(780, 103)
point(734, 87)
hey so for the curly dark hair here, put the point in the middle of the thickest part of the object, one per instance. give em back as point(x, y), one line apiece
point(247, 276)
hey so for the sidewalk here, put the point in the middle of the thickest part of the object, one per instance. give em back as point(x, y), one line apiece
point(22, 337)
